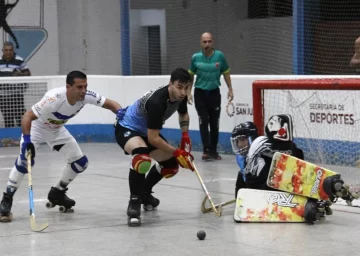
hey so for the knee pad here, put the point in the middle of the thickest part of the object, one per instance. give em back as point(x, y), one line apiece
point(169, 168)
point(80, 165)
point(141, 162)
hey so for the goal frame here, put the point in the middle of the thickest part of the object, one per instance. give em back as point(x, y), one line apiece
point(259, 86)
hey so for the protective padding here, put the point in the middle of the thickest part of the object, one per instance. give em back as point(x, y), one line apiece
point(80, 165)
point(169, 168)
point(21, 165)
point(141, 163)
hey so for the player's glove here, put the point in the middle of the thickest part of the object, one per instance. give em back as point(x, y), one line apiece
point(184, 159)
point(27, 146)
point(185, 142)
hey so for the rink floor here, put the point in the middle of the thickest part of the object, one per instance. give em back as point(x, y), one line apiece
point(99, 224)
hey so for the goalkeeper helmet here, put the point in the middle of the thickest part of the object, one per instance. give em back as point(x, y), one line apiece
point(242, 136)
point(279, 128)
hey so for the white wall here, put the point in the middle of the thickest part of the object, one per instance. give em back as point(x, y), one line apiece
point(89, 36)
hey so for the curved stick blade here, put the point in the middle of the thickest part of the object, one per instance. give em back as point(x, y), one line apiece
point(37, 227)
point(205, 209)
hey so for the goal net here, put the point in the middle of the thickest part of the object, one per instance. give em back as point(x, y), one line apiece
point(256, 36)
point(16, 96)
point(326, 117)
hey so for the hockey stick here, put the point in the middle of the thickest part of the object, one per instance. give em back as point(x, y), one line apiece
point(37, 227)
point(216, 211)
point(205, 209)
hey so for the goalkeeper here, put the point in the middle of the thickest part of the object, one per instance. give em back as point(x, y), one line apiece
point(138, 133)
point(254, 154)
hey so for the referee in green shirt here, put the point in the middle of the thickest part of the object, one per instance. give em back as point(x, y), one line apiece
point(208, 65)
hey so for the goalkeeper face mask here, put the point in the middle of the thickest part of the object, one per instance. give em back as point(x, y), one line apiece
point(240, 144)
point(242, 136)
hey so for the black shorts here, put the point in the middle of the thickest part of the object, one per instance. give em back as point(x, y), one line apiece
point(123, 134)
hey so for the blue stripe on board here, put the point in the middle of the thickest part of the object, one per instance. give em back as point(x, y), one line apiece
point(325, 151)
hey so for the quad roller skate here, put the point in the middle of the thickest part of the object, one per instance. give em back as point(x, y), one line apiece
point(324, 206)
point(335, 188)
point(59, 197)
point(133, 211)
point(314, 211)
point(5, 208)
point(149, 202)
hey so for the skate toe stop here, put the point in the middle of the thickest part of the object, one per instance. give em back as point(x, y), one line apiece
point(134, 222)
point(6, 218)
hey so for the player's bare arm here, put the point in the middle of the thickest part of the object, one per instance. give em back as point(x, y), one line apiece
point(26, 120)
point(229, 85)
point(184, 120)
point(189, 95)
point(355, 60)
point(112, 105)
point(155, 140)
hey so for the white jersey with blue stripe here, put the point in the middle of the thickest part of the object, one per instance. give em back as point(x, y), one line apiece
point(54, 110)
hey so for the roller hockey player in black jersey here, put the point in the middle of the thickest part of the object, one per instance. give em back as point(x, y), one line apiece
point(138, 133)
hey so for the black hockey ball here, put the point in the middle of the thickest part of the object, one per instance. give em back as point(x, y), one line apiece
point(201, 234)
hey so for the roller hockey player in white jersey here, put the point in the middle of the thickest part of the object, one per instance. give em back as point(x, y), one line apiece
point(255, 159)
point(44, 123)
point(138, 133)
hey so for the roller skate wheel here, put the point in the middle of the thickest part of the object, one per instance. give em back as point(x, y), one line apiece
point(318, 215)
point(347, 187)
point(62, 209)
point(322, 218)
point(321, 209)
point(348, 202)
point(49, 205)
point(356, 196)
point(338, 186)
point(149, 207)
point(329, 211)
point(339, 194)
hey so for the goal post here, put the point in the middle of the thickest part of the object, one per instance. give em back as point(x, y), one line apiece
point(326, 115)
